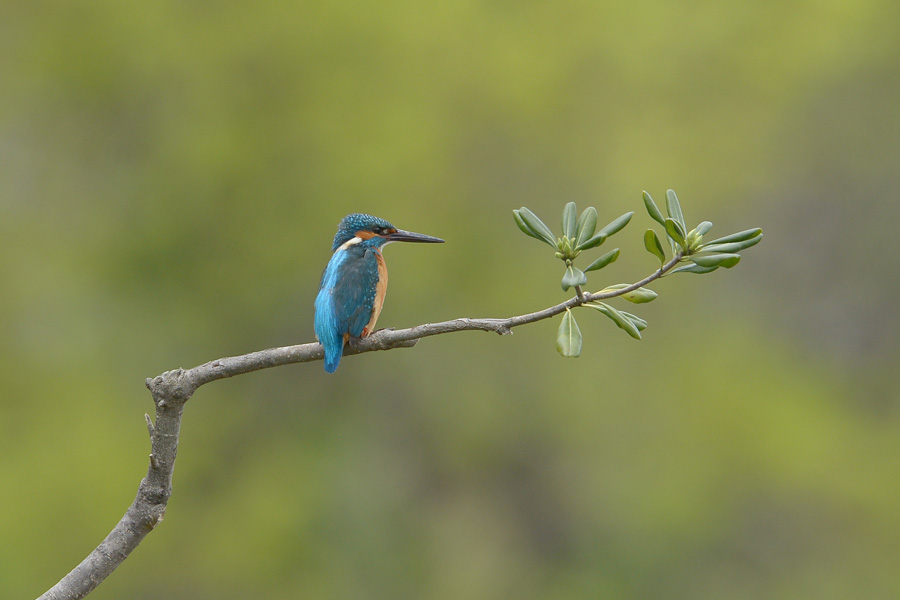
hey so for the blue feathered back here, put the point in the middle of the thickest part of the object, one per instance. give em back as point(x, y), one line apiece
point(346, 299)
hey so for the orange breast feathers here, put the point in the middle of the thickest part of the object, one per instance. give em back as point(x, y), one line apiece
point(380, 291)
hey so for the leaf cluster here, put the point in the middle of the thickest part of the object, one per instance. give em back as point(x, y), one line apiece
point(578, 234)
point(703, 257)
point(687, 248)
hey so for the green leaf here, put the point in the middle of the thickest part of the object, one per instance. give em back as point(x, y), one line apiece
point(653, 210)
point(692, 268)
point(531, 225)
point(673, 207)
point(592, 243)
point(608, 258)
point(638, 322)
point(653, 246)
point(638, 296)
point(587, 225)
point(732, 246)
point(524, 226)
point(738, 237)
point(618, 318)
point(568, 338)
point(617, 225)
point(703, 228)
point(675, 232)
point(716, 260)
point(573, 277)
point(568, 220)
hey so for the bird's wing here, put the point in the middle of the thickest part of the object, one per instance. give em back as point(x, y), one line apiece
point(354, 292)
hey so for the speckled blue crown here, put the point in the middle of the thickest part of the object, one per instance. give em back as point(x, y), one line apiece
point(352, 223)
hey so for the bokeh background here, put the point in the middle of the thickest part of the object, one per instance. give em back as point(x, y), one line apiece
point(171, 174)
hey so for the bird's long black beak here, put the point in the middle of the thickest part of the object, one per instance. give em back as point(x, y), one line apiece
point(409, 236)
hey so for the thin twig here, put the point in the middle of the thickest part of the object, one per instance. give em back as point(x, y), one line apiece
point(172, 389)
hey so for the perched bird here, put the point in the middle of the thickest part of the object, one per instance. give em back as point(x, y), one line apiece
point(353, 285)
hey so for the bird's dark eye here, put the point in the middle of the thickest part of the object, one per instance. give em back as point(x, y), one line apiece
point(378, 230)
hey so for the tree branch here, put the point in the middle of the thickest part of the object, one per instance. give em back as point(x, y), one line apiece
point(173, 389)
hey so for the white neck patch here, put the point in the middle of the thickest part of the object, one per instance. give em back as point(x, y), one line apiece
point(355, 240)
point(352, 241)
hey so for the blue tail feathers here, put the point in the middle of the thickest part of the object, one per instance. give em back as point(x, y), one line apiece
point(332, 360)
point(328, 330)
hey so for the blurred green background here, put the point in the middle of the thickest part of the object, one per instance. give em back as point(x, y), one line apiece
point(171, 174)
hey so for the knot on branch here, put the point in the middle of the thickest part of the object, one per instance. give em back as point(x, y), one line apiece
point(148, 510)
point(171, 387)
point(498, 326)
point(501, 328)
point(154, 495)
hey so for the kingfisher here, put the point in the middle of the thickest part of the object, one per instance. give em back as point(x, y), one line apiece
point(354, 283)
